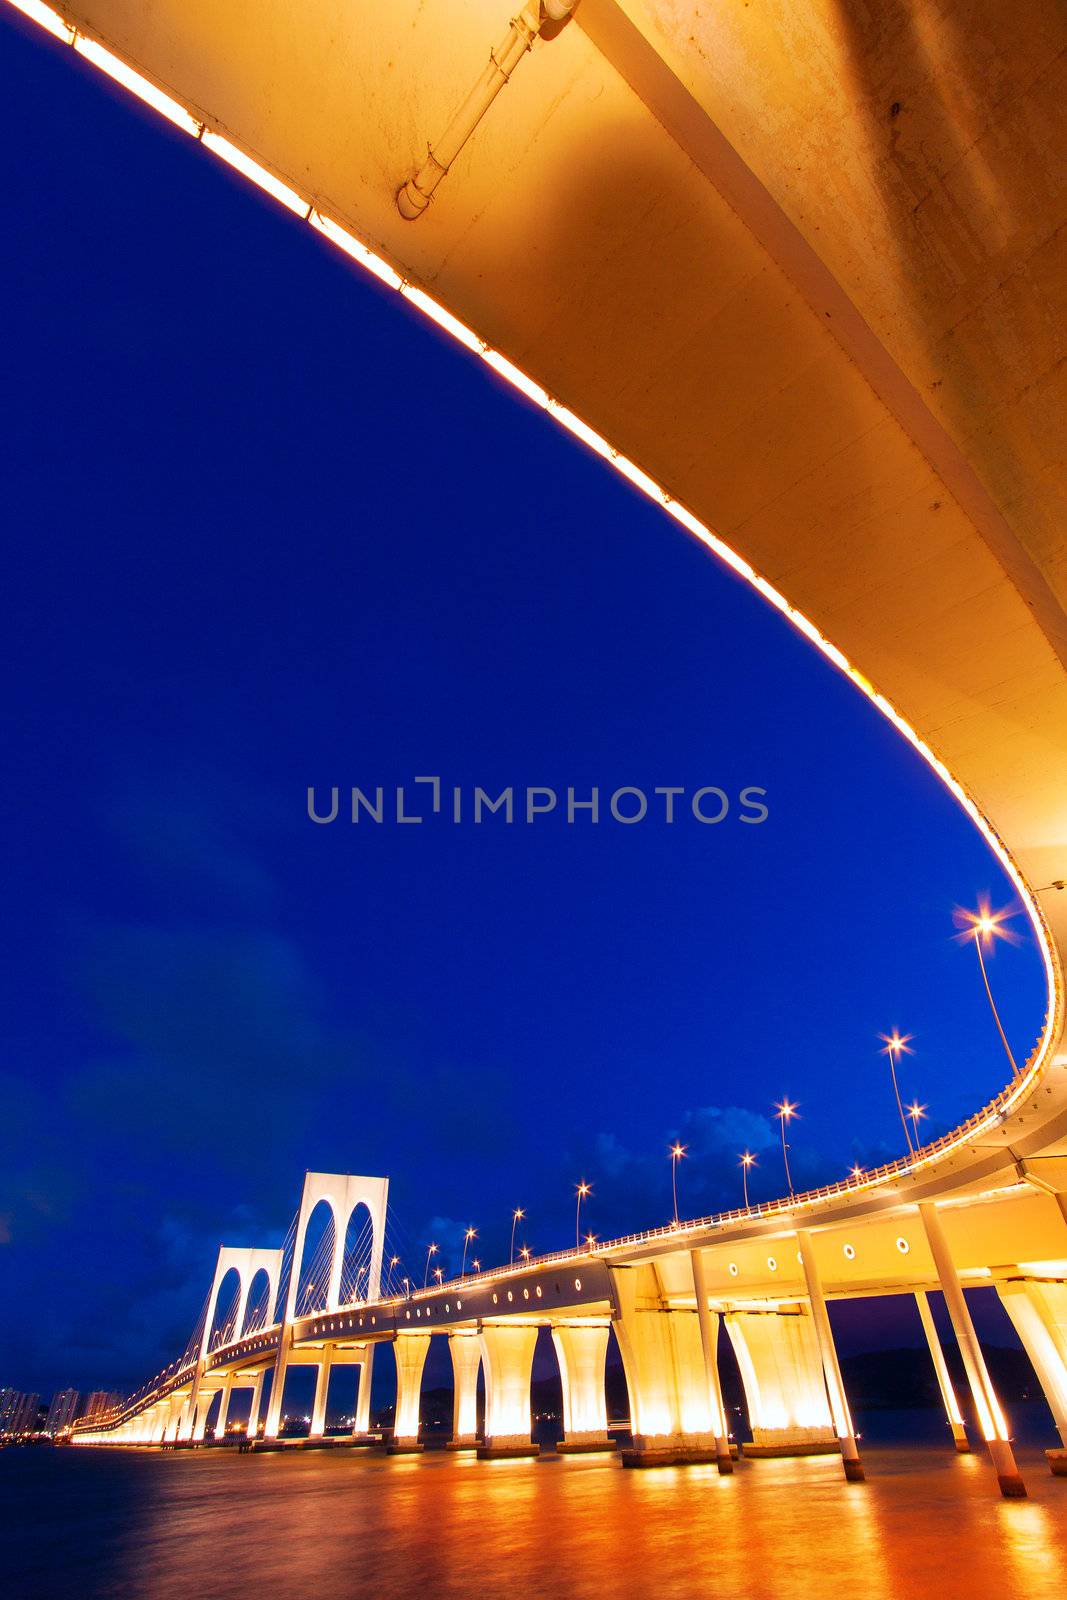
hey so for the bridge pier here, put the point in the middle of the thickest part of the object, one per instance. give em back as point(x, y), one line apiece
point(508, 1351)
point(944, 1382)
point(709, 1345)
point(361, 1425)
point(1039, 1315)
point(253, 1410)
point(835, 1388)
point(581, 1350)
point(224, 1406)
point(322, 1387)
point(781, 1368)
point(670, 1409)
point(465, 1349)
point(410, 1352)
point(991, 1418)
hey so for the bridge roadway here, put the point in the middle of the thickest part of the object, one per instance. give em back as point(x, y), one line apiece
point(801, 279)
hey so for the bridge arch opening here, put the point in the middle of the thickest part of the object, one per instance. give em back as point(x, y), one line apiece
point(223, 1325)
point(257, 1311)
point(313, 1270)
point(357, 1261)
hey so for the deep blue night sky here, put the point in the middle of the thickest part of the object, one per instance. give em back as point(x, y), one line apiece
point(266, 529)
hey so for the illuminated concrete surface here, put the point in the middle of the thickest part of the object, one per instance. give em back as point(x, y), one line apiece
point(803, 275)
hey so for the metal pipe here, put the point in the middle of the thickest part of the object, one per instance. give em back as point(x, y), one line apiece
point(415, 195)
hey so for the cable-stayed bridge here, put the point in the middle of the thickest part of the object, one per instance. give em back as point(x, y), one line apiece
point(801, 282)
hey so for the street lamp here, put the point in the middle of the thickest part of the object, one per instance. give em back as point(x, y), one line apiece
point(476, 1264)
point(915, 1111)
point(431, 1251)
point(525, 1252)
point(439, 1274)
point(677, 1151)
point(747, 1160)
point(896, 1046)
point(516, 1217)
point(394, 1261)
point(471, 1233)
point(785, 1111)
point(987, 925)
point(583, 1190)
point(590, 1241)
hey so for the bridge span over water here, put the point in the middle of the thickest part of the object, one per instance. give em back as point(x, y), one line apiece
point(798, 274)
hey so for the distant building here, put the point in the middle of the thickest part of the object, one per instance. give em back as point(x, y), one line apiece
point(18, 1413)
point(62, 1411)
point(100, 1402)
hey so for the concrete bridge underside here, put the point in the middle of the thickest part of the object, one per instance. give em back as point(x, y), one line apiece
point(799, 272)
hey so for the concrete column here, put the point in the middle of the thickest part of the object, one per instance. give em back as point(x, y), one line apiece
point(709, 1345)
point(366, 1369)
point(466, 1352)
point(581, 1350)
point(944, 1382)
point(410, 1351)
point(224, 1406)
point(507, 1353)
point(781, 1368)
point(1039, 1314)
point(990, 1416)
point(273, 1423)
point(322, 1388)
point(835, 1388)
point(671, 1416)
point(253, 1410)
point(200, 1410)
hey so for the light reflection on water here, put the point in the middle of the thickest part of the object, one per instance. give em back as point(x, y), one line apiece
point(214, 1525)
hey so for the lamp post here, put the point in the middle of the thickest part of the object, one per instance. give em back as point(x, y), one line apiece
point(747, 1159)
point(915, 1112)
point(516, 1217)
point(785, 1111)
point(988, 925)
point(677, 1151)
point(590, 1241)
point(525, 1252)
point(394, 1261)
point(431, 1250)
point(896, 1046)
point(471, 1233)
point(583, 1190)
point(439, 1274)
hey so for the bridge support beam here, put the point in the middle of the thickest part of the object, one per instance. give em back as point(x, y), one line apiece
point(507, 1352)
point(199, 1410)
point(781, 1368)
point(944, 1382)
point(224, 1406)
point(465, 1348)
point(361, 1425)
point(322, 1388)
point(253, 1410)
point(990, 1416)
point(410, 1351)
point(708, 1324)
point(1039, 1314)
point(581, 1350)
point(831, 1368)
point(670, 1411)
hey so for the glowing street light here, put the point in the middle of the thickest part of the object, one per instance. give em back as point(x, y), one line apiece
point(856, 1171)
point(439, 1274)
point(784, 1111)
point(677, 1151)
point(471, 1233)
point(525, 1252)
point(895, 1046)
point(394, 1261)
point(583, 1190)
point(516, 1217)
point(746, 1160)
point(915, 1112)
point(476, 1264)
point(590, 1241)
point(431, 1250)
point(986, 925)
